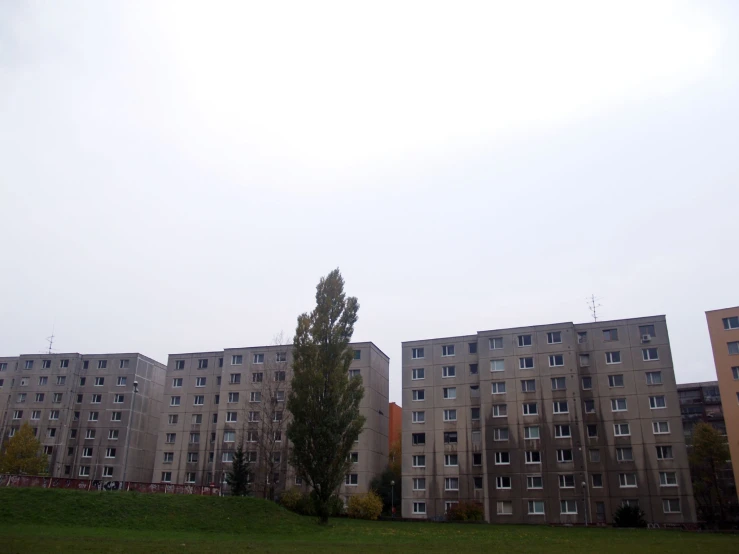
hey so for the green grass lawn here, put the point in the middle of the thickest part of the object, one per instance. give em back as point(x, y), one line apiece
point(39, 520)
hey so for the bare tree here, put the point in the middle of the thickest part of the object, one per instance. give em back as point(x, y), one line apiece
point(268, 417)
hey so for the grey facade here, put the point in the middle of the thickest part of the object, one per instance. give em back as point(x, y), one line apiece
point(80, 407)
point(546, 424)
point(214, 400)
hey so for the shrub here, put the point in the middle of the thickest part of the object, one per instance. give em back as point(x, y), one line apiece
point(365, 506)
point(629, 516)
point(291, 498)
point(466, 511)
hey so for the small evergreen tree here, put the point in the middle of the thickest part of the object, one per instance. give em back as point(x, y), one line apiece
point(709, 456)
point(629, 516)
point(239, 478)
point(23, 454)
point(324, 402)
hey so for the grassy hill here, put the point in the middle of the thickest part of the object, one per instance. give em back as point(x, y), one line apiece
point(49, 520)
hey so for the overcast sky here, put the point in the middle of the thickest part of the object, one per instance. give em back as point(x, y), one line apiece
point(177, 177)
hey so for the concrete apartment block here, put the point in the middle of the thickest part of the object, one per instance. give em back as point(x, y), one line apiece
point(80, 406)
point(546, 424)
point(213, 400)
point(723, 328)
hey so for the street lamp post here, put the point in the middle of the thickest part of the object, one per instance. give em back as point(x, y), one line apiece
point(392, 498)
point(128, 433)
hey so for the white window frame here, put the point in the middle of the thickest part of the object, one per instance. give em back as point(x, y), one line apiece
point(653, 401)
point(522, 362)
point(447, 350)
point(532, 506)
point(493, 343)
point(554, 358)
point(554, 337)
point(449, 393)
point(616, 405)
point(497, 408)
point(527, 431)
point(566, 506)
point(646, 354)
point(449, 413)
point(496, 386)
point(448, 371)
point(418, 373)
point(417, 353)
point(557, 407)
point(418, 395)
point(526, 408)
point(656, 428)
point(618, 429)
point(624, 480)
point(497, 365)
point(610, 357)
point(418, 416)
point(419, 508)
point(649, 376)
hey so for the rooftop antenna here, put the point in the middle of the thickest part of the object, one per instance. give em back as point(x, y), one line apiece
point(592, 306)
point(50, 339)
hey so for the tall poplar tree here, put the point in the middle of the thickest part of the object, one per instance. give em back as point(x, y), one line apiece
point(323, 401)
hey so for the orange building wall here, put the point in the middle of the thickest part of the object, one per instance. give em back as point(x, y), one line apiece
point(728, 386)
point(395, 432)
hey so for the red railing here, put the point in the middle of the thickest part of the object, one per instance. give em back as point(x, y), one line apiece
point(97, 485)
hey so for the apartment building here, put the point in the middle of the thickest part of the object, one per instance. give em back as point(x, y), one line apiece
point(701, 402)
point(81, 408)
point(557, 423)
point(723, 328)
point(215, 400)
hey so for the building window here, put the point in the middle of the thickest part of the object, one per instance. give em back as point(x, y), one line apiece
point(615, 381)
point(200, 381)
point(502, 482)
point(653, 377)
point(451, 484)
point(53, 415)
point(497, 365)
point(418, 395)
point(567, 481)
point(667, 479)
point(735, 373)
point(259, 358)
point(110, 453)
point(171, 438)
point(176, 382)
point(534, 482)
point(102, 364)
point(625, 454)
point(84, 471)
point(564, 455)
point(627, 480)
point(647, 331)
point(451, 460)
point(87, 452)
point(229, 436)
point(504, 507)
point(568, 506)
point(526, 363)
point(166, 476)
point(594, 454)
point(42, 381)
point(417, 353)
point(657, 402)
point(584, 360)
point(536, 507)
point(198, 400)
point(560, 407)
point(118, 399)
point(417, 374)
point(559, 383)
point(419, 460)
point(255, 396)
point(664, 452)
point(124, 364)
point(351, 479)
point(498, 387)
point(107, 471)
point(418, 439)
point(610, 334)
point(476, 459)
point(618, 405)
point(660, 427)
point(450, 437)
point(477, 483)
point(554, 337)
point(589, 406)
point(533, 457)
point(671, 505)
point(500, 434)
point(281, 357)
point(115, 416)
point(450, 415)
point(530, 408)
point(524, 340)
point(448, 371)
point(500, 410)
point(475, 414)
point(233, 397)
point(649, 354)
point(93, 416)
point(237, 359)
point(597, 480)
point(40, 397)
point(235, 379)
point(255, 416)
point(447, 350)
point(231, 417)
point(473, 369)
point(419, 507)
point(733, 347)
point(190, 477)
point(621, 430)
point(113, 434)
point(562, 431)
point(556, 360)
point(194, 438)
point(587, 383)
point(418, 417)
point(502, 458)
point(531, 433)
point(731, 322)
point(613, 357)
point(174, 401)
point(496, 343)
point(36, 414)
point(472, 346)
point(528, 385)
